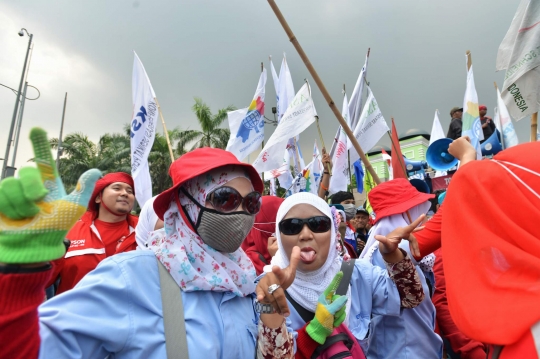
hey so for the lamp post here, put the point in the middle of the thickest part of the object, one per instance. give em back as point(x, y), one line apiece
point(14, 118)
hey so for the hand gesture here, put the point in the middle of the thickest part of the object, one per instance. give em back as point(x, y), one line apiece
point(35, 213)
point(326, 160)
point(272, 246)
point(283, 278)
point(389, 243)
point(461, 148)
point(330, 312)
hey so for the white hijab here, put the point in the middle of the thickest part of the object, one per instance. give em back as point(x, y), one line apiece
point(308, 286)
point(387, 224)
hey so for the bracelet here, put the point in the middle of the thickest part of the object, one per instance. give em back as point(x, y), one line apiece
point(18, 269)
point(326, 173)
point(264, 308)
point(323, 187)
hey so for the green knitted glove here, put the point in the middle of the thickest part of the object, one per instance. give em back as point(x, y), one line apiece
point(35, 213)
point(326, 314)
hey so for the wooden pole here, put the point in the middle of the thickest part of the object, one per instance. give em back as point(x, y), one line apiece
point(323, 90)
point(534, 126)
point(59, 152)
point(165, 130)
point(469, 60)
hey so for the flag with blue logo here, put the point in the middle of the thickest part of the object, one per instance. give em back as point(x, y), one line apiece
point(142, 130)
point(247, 124)
point(504, 124)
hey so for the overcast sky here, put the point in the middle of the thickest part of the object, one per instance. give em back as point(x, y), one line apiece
point(213, 49)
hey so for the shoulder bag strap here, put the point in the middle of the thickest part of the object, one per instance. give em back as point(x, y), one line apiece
point(173, 316)
point(347, 269)
point(303, 312)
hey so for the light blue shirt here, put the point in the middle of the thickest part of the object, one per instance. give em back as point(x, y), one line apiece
point(116, 309)
point(372, 292)
point(410, 335)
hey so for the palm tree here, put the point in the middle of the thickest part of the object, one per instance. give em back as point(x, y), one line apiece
point(211, 134)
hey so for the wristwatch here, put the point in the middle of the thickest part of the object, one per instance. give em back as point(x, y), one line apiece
point(264, 308)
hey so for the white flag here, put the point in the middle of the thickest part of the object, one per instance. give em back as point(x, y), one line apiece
point(519, 55)
point(472, 126)
point(386, 157)
point(437, 131)
point(355, 105)
point(340, 173)
point(504, 124)
point(247, 124)
point(142, 131)
point(296, 119)
point(370, 128)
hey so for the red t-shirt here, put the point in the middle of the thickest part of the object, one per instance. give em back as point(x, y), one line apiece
point(112, 234)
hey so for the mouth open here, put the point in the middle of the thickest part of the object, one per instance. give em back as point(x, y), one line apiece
point(308, 255)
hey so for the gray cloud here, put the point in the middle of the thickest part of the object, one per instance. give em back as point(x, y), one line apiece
point(213, 49)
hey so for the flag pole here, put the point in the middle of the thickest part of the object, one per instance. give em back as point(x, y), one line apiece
point(322, 88)
point(262, 69)
point(534, 126)
point(500, 123)
point(348, 151)
point(165, 130)
point(320, 133)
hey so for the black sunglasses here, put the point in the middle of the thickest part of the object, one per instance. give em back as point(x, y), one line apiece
point(227, 199)
point(317, 224)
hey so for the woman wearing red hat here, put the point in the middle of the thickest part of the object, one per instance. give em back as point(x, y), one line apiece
point(116, 310)
point(105, 229)
point(411, 334)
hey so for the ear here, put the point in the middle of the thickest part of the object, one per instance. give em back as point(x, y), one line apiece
point(98, 198)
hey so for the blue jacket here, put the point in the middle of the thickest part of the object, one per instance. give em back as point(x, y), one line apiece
point(116, 309)
point(410, 335)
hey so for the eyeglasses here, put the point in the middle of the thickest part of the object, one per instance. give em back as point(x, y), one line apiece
point(317, 224)
point(227, 199)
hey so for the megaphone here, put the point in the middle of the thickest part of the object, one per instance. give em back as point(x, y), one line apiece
point(420, 185)
point(491, 146)
point(437, 155)
point(414, 166)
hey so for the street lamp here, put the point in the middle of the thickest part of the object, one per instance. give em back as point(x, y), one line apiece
point(14, 118)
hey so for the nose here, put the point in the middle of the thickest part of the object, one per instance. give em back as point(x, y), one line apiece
point(305, 234)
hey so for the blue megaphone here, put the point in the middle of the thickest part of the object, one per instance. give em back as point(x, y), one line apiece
point(414, 166)
point(437, 155)
point(421, 186)
point(492, 145)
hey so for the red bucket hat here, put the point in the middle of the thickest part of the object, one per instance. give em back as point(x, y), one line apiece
point(105, 181)
point(195, 163)
point(394, 197)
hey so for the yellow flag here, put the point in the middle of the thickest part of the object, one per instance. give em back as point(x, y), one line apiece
point(369, 184)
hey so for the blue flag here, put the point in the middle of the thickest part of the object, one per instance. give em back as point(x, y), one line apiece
point(359, 174)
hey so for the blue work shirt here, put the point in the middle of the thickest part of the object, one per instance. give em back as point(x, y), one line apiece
point(372, 292)
point(116, 310)
point(410, 335)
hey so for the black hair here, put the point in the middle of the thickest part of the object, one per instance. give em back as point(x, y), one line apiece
point(341, 196)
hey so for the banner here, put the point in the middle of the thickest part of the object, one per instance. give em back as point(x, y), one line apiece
point(142, 131)
point(440, 183)
point(519, 55)
point(355, 104)
point(472, 126)
point(340, 171)
point(504, 124)
point(371, 127)
point(298, 117)
point(247, 124)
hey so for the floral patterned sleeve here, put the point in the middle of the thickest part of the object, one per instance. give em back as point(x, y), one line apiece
point(274, 343)
point(408, 284)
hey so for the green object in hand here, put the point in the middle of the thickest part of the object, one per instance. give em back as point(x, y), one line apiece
point(330, 312)
point(35, 212)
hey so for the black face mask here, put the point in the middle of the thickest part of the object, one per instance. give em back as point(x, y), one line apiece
point(224, 232)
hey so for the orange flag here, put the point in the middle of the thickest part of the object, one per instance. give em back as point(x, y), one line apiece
point(398, 164)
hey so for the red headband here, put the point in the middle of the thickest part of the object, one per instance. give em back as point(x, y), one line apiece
point(105, 181)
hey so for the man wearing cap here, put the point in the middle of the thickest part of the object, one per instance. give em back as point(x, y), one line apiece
point(454, 131)
point(361, 222)
point(105, 229)
point(487, 123)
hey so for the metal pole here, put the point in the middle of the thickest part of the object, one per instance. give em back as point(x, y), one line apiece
point(14, 117)
point(59, 149)
point(19, 123)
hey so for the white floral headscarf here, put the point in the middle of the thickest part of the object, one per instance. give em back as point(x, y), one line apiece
point(194, 265)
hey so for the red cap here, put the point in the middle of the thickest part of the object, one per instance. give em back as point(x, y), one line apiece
point(482, 107)
point(105, 181)
point(195, 163)
point(394, 197)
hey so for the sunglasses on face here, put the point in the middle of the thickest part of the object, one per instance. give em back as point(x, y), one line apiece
point(317, 224)
point(227, 199)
